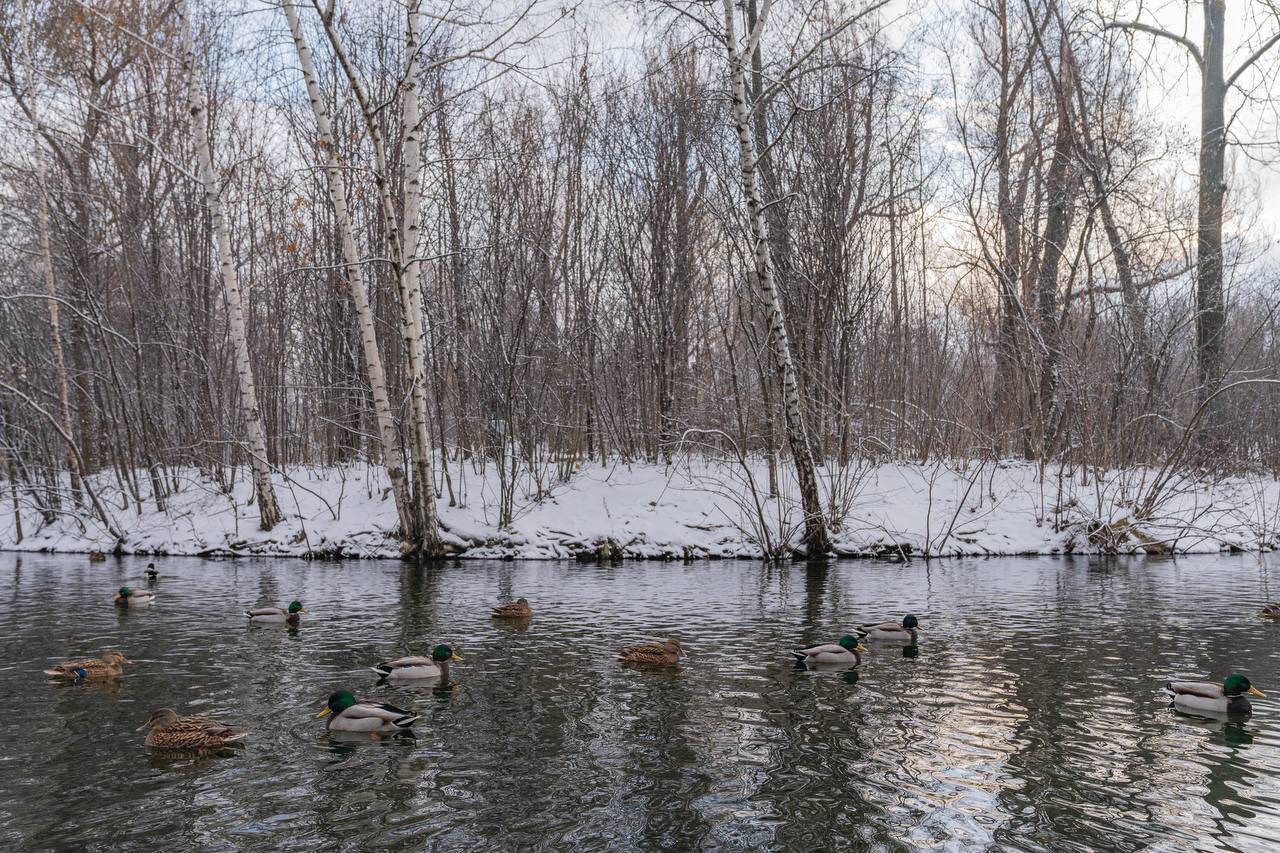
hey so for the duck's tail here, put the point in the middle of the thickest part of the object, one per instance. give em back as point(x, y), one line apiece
point(382, 669)
point(237, 734)
point(799, 655)
point(405, 721)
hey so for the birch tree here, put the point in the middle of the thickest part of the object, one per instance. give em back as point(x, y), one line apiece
point(816, 540)
point(55, 329)
point(400, 229)
point(268, 507)
point(328, 149)
point(411, 283)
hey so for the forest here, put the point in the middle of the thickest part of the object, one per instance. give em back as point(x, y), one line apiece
point(505, 242)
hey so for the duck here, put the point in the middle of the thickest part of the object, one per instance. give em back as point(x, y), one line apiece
point(96, 556)
point(151, 573)
point(847, 651)
point(436, 666)
point(1229, 697)
point(363, 715)
point(1271, 610)
point(167, 730)
point(892, 632)
point(110, 665)
point(518, 609)
point(130, 597)
point(276, 615)
point(666, 653)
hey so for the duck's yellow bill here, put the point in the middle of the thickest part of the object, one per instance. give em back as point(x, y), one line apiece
point(1253, 691)
point(861, 648)
point(455, 657)
point(323, 711)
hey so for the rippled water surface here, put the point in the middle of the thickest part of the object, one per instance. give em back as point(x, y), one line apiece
point(1030, 717)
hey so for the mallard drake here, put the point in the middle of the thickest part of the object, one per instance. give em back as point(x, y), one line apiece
point(1271, 611)
point(169, 731)
point(151, 573)
point(518, 609)
point(892, 632)
point(362, 715)
point(1229, 697)
point(847, 651)
point(436, 666)
point(666, 653)
point(130, 597)
point(276, 615)
point(92, 669)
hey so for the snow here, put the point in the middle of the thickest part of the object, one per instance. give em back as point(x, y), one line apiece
point(694, 508)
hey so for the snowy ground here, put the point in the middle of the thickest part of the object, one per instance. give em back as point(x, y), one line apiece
point(692, 510)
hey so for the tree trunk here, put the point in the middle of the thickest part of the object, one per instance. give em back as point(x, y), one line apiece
point(268, 508)
point(1060, 190)
point(815, 537)
point(355, 281)
point(1210, 310)
point(55, 327)
point(411, 289)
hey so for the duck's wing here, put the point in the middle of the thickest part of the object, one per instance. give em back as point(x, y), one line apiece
point(401, 663)
point(643, 652)
point(213, 728)
point(185, 733)
point(881, 626)
point(1204, 689)
point(76, 667)
point(366, 709)
point(511, 610)
point(825, 648)
point(265, 611)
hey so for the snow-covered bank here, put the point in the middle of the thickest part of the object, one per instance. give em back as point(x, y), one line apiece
point(688, 510)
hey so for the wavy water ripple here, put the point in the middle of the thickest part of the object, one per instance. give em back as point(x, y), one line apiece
point(1029, 719)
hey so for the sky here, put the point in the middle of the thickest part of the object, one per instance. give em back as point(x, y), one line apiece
point(1172, 88)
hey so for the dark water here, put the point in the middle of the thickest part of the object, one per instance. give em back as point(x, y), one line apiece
point(1031, 719)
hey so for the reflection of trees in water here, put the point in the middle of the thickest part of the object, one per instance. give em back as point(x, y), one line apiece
point(368, 785)
point(667, 768)
point(808, 793)
point(1229, 777)
point(420, 585)
point(1075, 743)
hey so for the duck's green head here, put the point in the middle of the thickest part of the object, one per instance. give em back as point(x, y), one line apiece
point(1237, 685)
point(125, 592)
point(338, 702)
point(850, 642)
point(295, 607)
point(443, 653)
point(910, 622)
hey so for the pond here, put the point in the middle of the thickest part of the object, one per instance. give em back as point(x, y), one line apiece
point(1030, 717)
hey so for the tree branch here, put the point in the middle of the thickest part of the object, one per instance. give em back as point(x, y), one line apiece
point(1157, 31)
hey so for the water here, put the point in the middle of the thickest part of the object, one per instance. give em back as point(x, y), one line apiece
point(1031, 718)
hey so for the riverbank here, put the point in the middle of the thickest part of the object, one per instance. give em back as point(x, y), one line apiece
point(690, 510)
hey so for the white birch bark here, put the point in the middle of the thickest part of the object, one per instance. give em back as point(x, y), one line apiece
point(355, 281)
point(411, 285)
point(410, 289)
point(55, 326)
point(816, 540)
point(268, 507)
